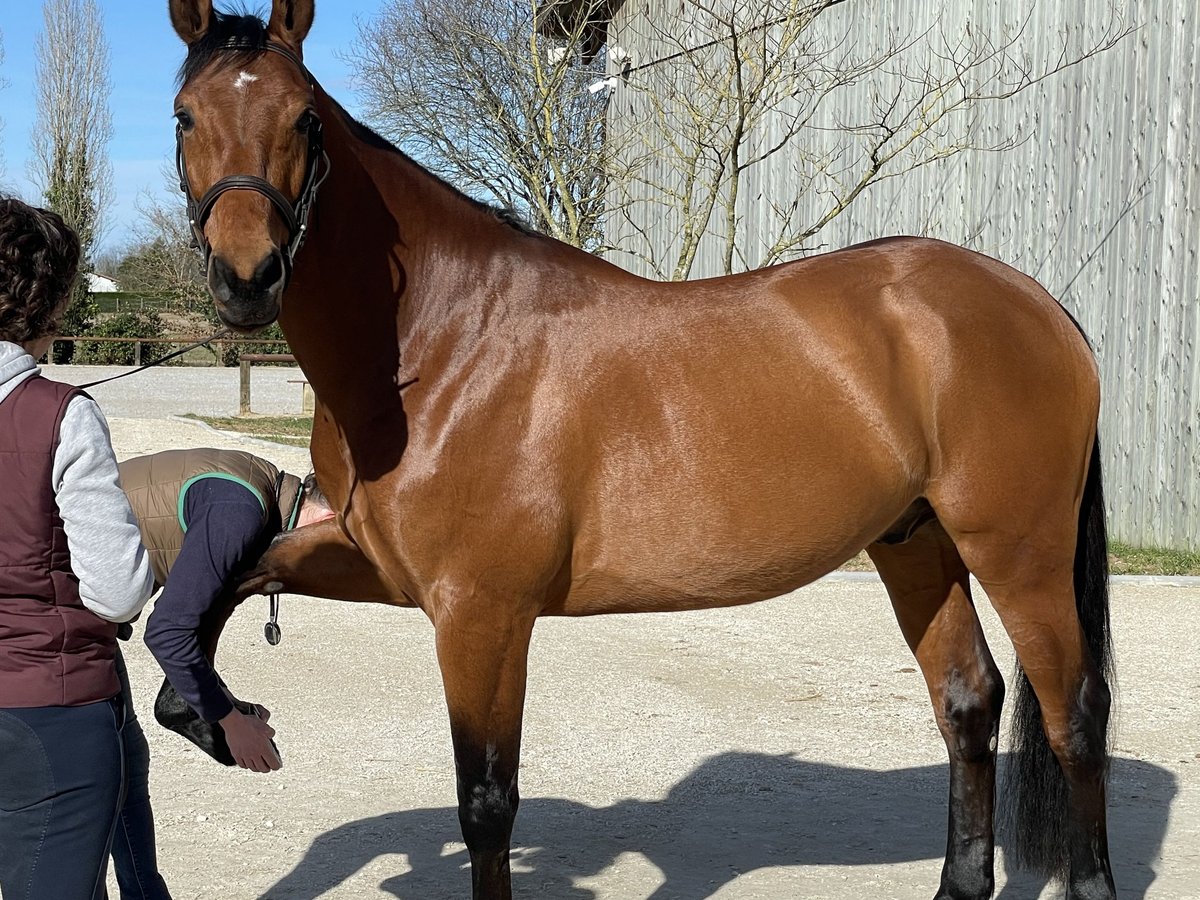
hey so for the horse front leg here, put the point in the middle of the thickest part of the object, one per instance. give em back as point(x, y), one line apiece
point(317, 560)
point(482, 650)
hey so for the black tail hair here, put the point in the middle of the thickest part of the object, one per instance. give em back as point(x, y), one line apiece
point(1033, 810)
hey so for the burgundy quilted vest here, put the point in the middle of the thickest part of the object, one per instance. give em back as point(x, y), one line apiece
point(53, 650)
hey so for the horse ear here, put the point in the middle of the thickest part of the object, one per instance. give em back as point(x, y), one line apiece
point(290, 21)
point(191, 18)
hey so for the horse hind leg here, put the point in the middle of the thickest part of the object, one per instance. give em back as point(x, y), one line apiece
point(1054, 811)
point(930, 592)
point(1050, 589)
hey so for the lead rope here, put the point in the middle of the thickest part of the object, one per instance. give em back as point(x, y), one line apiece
point(159, 362)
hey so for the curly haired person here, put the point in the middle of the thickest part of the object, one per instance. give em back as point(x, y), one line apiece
point(72, 566)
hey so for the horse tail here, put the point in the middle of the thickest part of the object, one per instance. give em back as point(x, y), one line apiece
point(1033, 813)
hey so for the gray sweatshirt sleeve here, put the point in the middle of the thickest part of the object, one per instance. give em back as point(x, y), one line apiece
point(107, 555)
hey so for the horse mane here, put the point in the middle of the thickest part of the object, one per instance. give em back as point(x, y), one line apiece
point(372, 138)
point(237, 37)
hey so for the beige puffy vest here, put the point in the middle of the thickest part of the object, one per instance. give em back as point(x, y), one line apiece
point(156, 485)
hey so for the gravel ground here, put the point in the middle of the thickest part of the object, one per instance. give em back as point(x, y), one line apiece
point(776, 751)
point(177, 390)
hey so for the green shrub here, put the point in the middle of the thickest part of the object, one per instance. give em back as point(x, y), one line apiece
point(231, 352)
point(114, 353)
point(77, 320)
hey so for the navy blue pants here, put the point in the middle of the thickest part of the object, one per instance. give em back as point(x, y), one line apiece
point(135, 857)
point(62, 786)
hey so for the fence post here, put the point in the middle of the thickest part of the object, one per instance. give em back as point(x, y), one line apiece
point(137, 353)
point(50, 355)
point(244, 385)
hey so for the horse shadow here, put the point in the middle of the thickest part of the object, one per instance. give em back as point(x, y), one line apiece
point(734, 813)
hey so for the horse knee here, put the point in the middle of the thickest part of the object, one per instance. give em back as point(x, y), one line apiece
point(971, 713)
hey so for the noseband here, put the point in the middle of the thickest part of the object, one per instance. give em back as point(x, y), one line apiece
point(295, 216)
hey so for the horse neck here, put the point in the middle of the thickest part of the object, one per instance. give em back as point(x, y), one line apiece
point(384, 267)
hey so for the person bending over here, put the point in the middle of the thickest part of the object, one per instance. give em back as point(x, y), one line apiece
point(205, 517)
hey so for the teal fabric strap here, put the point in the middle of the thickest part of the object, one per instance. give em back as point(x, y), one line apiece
point(291, 522)
point(224, 475)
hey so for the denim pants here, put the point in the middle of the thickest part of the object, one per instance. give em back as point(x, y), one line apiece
point(62, 786)
point(134, 853)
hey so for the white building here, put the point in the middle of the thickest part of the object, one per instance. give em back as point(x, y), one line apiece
point(100, 284)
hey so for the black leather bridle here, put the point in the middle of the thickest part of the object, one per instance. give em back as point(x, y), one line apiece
point(295, 215)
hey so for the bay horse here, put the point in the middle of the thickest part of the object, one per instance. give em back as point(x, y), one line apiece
point(512, 428)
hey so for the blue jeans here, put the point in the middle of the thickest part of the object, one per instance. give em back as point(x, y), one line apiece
point(62, 786)
point(134, 854)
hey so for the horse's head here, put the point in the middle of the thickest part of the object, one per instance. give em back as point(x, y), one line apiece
point(250, 150)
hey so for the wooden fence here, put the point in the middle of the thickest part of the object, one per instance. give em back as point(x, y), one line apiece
point(138, 343)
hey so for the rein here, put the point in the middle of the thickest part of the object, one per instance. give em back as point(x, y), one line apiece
point(295, 216)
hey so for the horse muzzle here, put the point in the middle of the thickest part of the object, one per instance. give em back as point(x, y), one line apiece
point(247, 304)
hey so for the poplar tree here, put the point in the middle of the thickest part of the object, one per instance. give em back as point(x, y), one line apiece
point(70, 139)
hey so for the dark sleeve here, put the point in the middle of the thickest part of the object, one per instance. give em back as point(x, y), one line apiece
point(225, 530)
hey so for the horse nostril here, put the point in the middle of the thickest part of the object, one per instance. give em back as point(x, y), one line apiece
point(222, 270)
point(221, 277)
point(269, 271)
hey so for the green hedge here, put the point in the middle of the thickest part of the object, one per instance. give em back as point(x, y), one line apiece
point(114, 353)
point(230, 352)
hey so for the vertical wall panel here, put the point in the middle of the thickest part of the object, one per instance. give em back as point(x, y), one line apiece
point(1100, 201)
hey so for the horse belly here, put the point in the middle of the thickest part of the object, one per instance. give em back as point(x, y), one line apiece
point(675, 536)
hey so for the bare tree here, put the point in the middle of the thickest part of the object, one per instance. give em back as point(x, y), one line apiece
point(483, 99)
point(161, 260)
point(106, 262)
point(726, 86)
point(70, 138)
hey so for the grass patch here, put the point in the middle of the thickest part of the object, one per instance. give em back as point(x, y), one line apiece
point(1126, 560)
point(295, 431)
point(1122, 560)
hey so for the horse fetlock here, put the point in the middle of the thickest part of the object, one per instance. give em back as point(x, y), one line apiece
point(486, 813)
point(969, 871)
point(983, 890)
point(1096, 886)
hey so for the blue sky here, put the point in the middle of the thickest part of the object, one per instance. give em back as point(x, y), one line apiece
point(145, 55)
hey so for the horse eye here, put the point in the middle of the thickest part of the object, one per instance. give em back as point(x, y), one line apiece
point(306, 121)
point(184, 119)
